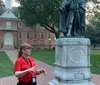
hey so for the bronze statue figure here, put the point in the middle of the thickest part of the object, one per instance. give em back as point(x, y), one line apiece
point(72, 18)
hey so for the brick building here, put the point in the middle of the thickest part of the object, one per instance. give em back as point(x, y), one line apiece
point(13, 32)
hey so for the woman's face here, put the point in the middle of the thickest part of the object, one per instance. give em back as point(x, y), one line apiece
point(27, 51)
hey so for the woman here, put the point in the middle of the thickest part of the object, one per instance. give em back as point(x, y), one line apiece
point(25, 67)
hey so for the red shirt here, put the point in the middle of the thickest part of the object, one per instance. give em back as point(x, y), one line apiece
point(22, 64)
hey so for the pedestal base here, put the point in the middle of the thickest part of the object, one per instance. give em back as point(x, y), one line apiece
point(72, 62)
point(55, 82)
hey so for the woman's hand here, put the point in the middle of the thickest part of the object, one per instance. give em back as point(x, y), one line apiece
point(39, 71)
point(43, 71)
point(32, 69)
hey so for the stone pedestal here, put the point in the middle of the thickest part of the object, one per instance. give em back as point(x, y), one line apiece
point(72, 62)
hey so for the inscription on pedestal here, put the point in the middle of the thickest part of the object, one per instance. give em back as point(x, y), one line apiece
point(77, 55)
point(79, 75)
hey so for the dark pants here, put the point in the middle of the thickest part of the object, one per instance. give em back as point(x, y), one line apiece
point(25, 83)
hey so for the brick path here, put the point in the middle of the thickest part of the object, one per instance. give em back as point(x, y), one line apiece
point(42, 80)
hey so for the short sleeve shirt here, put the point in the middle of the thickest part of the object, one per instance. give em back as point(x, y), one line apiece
point(22, 64)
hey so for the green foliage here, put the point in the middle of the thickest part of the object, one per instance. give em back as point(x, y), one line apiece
point(1, 4)
point(6, 66)
point(93, 30)
point(45, 12)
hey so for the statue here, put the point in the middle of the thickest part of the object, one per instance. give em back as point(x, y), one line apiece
point(72, 18)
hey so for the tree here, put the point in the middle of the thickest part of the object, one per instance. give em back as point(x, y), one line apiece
point(1, 3)
point(93, 30)
point(44, 12)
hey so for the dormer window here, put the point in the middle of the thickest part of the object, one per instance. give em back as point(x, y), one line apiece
point(8, 12)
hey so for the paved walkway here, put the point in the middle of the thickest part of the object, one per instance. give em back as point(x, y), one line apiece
point(42, 80)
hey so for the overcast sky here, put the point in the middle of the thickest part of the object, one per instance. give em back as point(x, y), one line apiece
point(14, 3)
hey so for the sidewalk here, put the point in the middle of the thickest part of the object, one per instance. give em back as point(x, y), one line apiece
point(42, 80)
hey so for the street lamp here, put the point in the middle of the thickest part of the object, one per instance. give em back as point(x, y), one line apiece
point(49, 43)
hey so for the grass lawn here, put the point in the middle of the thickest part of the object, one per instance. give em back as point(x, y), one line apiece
point(45, 56)
point(49, 58)
point(95, 61)
point(6, 66)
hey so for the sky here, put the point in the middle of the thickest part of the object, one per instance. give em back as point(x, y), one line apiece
point(14, 3)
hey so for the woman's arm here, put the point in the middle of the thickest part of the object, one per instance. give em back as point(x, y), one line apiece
point(22, 73)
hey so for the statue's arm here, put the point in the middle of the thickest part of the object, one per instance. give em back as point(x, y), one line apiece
point(64, 4)
point(83, 4)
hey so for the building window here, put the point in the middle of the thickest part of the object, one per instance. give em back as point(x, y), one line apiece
point(28, 36)
point(8, 25)
point(49, 36)
point(35, 36)
point(19, 35)
point(49, 41)
point(41, 36)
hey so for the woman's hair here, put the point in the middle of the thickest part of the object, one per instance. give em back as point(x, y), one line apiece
point(23, 46)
